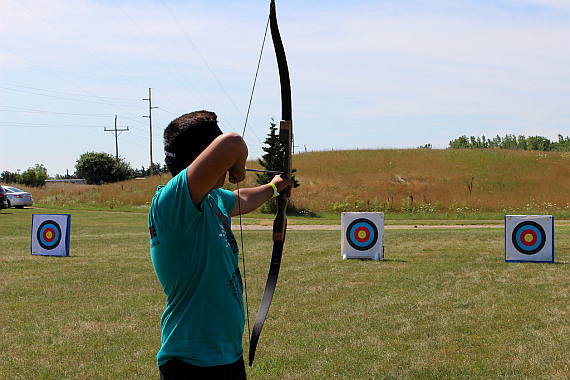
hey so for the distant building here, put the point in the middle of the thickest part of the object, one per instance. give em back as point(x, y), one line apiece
point(61, 181)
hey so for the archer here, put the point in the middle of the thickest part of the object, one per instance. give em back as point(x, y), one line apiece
point(194, 251)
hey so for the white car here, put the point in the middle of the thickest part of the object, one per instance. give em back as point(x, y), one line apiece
point(18, 198)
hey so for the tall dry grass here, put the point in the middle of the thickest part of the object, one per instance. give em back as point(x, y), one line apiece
point(135, 192)
point(405, 179)
point(383, 180)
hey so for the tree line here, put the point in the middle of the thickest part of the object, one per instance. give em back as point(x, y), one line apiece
point(514, 142)
point(34, 176)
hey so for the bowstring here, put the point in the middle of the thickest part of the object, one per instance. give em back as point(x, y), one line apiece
point(237, 184)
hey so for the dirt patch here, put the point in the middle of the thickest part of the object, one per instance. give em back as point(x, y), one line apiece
point(323, 227)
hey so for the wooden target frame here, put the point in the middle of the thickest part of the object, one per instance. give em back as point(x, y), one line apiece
point(529, 238)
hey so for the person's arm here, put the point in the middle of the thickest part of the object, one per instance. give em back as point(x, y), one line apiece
point(251, 198)
point(227, 153)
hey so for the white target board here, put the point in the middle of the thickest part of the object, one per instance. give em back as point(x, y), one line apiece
point(529, 238)
point(50, 234)
point(362, 235)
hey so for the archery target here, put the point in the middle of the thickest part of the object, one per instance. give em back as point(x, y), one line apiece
point(529, 238)
point(362, 235)
point(50, 234)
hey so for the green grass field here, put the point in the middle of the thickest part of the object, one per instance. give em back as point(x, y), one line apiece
point(442, 305)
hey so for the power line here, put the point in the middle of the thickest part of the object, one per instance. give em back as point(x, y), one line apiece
point(35, 125)
point(61, 97)
point(30, 110)
point(62, 93)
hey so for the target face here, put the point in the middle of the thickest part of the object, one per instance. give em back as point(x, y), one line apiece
point(49, 234)
point(529, 238)
point(362, 234)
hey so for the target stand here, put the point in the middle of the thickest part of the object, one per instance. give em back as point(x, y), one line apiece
point(529, 238)
point(362, 235)
point(50, 234)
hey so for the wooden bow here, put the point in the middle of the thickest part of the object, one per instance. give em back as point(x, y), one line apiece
point(280, 222)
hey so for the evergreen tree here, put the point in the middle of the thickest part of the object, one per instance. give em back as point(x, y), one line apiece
point(273, 158)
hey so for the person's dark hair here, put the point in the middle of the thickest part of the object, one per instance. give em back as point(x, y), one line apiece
point(187, 136)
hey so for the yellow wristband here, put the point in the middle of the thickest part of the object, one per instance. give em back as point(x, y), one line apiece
point(275, 192)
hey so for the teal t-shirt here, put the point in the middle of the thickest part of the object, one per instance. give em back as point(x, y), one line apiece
point(195, 256)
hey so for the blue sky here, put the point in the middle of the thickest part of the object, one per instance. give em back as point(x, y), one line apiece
point(365, 74)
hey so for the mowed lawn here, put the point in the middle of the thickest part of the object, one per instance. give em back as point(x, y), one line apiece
point(442, 305)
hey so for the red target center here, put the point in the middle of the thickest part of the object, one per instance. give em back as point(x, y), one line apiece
point(361, 234)
point(49, 235)
point(528, 238)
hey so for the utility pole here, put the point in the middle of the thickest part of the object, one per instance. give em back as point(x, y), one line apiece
point(116, 133)
point(150, 108)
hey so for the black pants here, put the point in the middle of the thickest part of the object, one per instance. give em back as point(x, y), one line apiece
point(176, 369)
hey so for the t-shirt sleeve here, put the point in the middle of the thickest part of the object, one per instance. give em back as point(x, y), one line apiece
point(226, 200)
point(174, 204)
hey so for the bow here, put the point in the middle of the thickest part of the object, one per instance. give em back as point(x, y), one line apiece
point(280, 222)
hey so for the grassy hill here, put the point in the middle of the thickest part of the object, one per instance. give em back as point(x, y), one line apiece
point(434, 180)
point(419, 181)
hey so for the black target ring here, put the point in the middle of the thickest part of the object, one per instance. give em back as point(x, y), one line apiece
point(44, 235)
point(528, 238)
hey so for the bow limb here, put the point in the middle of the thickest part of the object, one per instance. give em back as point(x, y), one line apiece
point(280, 222)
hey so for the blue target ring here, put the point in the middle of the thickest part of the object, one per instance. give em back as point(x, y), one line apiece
point(49, 234)
point(362, 234)
point(529, 238)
